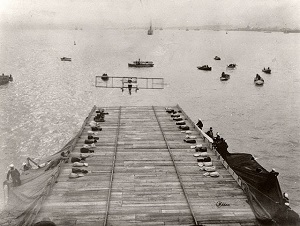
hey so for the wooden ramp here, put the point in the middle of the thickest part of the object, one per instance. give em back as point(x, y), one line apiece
point(143, 173)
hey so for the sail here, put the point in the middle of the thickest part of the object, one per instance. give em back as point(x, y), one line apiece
point(150, 31)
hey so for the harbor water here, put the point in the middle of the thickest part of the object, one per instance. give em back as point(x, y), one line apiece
point(45, 105)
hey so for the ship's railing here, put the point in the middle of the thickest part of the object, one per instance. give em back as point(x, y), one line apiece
point(207, 139)
point(210, 141)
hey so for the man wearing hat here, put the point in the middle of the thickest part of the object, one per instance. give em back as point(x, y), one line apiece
point(15, 175)
point(210, 133)
point(199, 124)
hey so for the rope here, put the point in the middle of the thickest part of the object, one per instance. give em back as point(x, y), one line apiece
point(176, 169)
point(112, 169)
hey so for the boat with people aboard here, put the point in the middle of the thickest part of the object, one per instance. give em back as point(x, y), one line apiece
point(140, 63)
point(65, 58)
point(231, 66)
point(267, 70)
point(258, 80)
point(4, 79)
point(217, 58)
point(168, 172)
point(204, 68)
point(224, 76)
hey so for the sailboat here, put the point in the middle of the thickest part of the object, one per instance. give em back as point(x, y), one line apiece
point(150, 30)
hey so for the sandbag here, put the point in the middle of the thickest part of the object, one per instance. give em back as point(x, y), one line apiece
point(192, 141)
point(89, 145)
point(95, 128)
point(80, 164)
point(86, 150)
point(207, 159)
point(93, 138)
point(180, 123)
point(177, 119)
point(184, 127)
point(201, 149)
point(190, 137)
point(214, 174)
point(200, 159)
point(89, 141)
point(207, 163)
point(209, 168)
point(77, 170)
point(202, 154)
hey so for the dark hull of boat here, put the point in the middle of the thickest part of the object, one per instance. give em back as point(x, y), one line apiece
point(65, 59)
point(217, 58)
point(140, 65)
point(267, 71)
point(3, 82)
point(204, 68)
point(259, 82)
point(262, 189)
point(224, 79)
point(4, 79)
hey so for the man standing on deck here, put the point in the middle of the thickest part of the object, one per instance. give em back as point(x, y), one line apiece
point(199, 124)
point(15, 175)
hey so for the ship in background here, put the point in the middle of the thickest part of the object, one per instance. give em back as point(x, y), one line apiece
point(150, 30)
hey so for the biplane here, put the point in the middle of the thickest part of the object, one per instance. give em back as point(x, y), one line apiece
point(130, 83)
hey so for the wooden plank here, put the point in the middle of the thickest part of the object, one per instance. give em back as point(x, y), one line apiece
point(145, 188)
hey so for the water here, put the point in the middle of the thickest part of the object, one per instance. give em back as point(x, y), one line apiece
point(46, 104)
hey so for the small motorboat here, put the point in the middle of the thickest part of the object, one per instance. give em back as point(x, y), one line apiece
point(4, 79)
point(232, 66)
point(217, 58)
point(224, 77)
point(259, 81)
point(267, 70)
point(204, 68)
point(140, 63)
point(65, 59)
point(104, 77)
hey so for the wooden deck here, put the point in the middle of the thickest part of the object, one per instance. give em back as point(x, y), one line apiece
point(143, 173)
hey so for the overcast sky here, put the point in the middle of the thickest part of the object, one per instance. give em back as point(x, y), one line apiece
point(165, 13)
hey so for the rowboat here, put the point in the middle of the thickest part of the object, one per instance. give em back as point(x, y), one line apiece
point(266, 70)
point(224, 77)
point(4, 79)
point(204, 68)
point(232, 66)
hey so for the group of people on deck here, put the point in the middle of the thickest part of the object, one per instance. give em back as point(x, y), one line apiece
point(219, 143)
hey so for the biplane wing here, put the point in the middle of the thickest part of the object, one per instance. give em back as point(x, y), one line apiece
point(122, 82)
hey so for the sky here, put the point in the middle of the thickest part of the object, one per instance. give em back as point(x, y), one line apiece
point(162, 13)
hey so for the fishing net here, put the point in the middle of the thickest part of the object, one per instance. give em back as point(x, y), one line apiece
point(25, 201)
